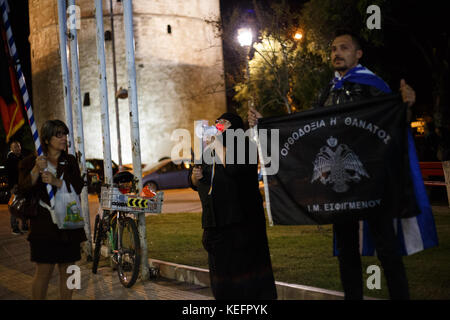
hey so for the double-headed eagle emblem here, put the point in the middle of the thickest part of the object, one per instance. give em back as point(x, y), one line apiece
point(337, 167)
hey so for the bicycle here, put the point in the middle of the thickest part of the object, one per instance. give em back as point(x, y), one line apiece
point(123, 240)
point(116, 227)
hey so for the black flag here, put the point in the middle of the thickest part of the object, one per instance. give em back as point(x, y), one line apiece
point(340, 161)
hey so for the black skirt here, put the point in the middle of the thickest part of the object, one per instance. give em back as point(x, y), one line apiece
point(239, 262)
point(55, 252)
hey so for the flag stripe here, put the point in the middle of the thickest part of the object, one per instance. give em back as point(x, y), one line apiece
point(25, 98)
point(425, 219)
point(399, 232)
point(411, 234)
point(13, 53)
point(427, 230)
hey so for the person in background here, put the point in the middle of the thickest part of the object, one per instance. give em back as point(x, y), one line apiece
point(50, 245)
point(12, 163)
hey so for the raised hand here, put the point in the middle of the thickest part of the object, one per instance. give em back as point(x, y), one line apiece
point(408, 94)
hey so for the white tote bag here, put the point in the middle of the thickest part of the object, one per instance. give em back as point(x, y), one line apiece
point(67, 212)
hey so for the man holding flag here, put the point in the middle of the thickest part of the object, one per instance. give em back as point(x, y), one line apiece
point(352, 83)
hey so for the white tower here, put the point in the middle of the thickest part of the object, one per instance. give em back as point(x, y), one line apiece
point(179, 67)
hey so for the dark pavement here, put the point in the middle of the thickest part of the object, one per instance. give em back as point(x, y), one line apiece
point(17, 271)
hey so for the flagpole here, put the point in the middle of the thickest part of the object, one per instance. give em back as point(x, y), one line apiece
point(246, 41)
point(134, 126)
point(73, 45)
point(65, 72)
point(24, 91)
point(264, 174)
point(103, 93)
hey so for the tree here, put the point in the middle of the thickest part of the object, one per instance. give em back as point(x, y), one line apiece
point(285, 73)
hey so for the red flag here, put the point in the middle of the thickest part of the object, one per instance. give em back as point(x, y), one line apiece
point(11, 103)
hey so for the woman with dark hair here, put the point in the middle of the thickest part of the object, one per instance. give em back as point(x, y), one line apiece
point(50, 245)
point(234, 223)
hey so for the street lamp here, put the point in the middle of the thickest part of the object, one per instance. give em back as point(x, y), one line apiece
point(298, 36)
point(245, 37)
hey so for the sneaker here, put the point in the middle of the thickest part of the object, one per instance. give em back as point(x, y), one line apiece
point(16, 232)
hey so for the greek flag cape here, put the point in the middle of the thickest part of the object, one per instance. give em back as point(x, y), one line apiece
point(417, 233)
point(360, 74)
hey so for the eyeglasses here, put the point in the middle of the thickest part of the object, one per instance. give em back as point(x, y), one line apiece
point(60, 134)
point(223, 121)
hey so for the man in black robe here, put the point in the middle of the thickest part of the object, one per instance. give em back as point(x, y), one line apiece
point(234, 223)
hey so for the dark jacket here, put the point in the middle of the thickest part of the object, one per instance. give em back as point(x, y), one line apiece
point(12, 165)
point(42, 227)
point(349, 92)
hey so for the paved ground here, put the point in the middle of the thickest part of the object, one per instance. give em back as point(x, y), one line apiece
point(16, 271)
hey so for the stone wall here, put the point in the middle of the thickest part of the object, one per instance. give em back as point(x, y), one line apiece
point(179, 74)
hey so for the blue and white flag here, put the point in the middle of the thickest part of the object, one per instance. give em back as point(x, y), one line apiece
point(360, 74)
point(415, 233)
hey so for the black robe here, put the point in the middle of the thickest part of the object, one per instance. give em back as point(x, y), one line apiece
point(235, 233)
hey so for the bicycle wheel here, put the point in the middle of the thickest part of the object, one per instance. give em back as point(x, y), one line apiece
point(111, 239)
point(98, 235)
point(129, 248)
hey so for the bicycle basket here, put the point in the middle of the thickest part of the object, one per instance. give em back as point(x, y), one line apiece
point(113, 199)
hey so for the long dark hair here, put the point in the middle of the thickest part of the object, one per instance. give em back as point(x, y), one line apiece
point(50, 129)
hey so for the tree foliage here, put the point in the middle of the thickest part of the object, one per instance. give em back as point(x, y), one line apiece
point(285, 73)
